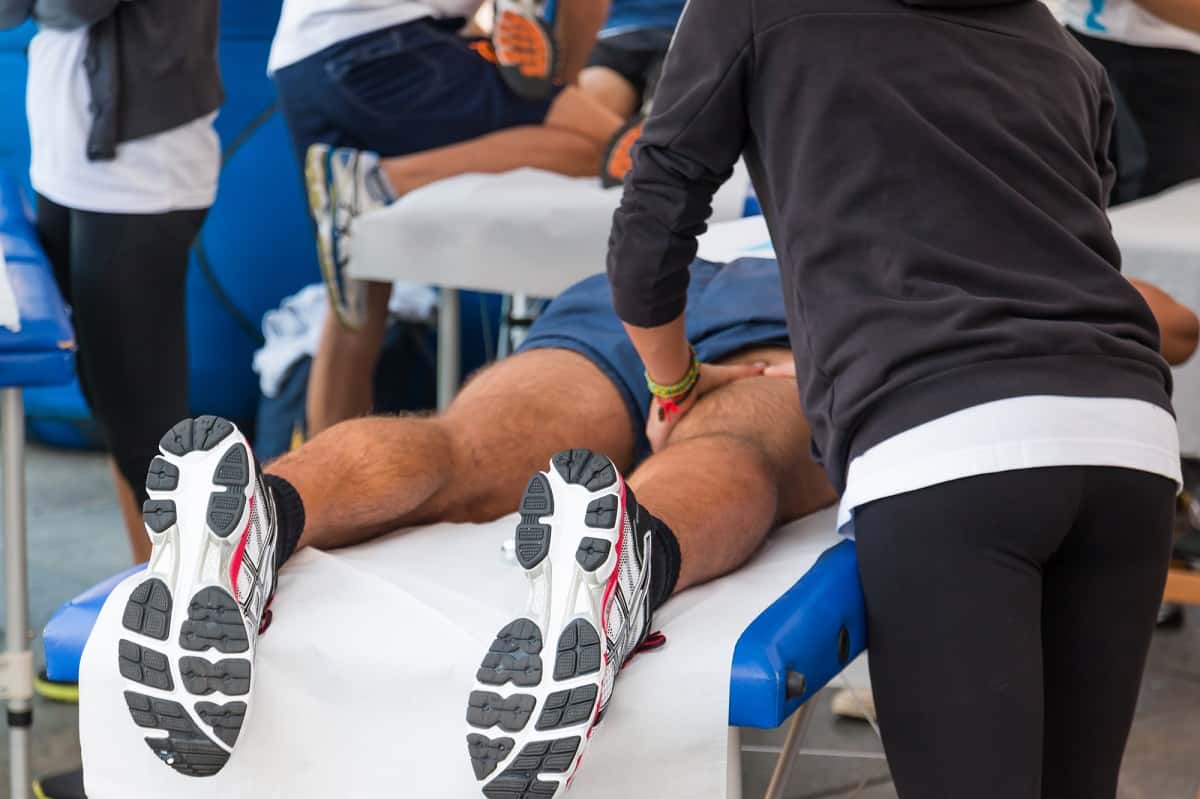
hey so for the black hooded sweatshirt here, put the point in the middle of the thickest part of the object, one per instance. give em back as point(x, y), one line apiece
point(934, 176)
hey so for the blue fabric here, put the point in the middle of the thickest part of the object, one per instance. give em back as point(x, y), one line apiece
point(399, 90)
point(814, 630)
point(42, 352)
point(635, 14)
point(68, 630)
point(731, 307)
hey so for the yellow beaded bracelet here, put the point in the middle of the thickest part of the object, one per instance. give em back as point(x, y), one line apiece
point(680, 389)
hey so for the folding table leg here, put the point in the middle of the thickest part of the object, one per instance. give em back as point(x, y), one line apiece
point(18, 671)
point(791, 747)
point(448, 348)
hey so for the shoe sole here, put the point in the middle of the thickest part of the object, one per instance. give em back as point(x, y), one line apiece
point(189, 670)
point(529, 87)
point(528, 726)
point(320, 203)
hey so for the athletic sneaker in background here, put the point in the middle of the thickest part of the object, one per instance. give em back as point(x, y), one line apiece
point(204, 600)
point(547, 679)
point(523, 41)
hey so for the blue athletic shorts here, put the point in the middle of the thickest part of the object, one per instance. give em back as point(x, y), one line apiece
point(400, 90)
point(731, 307)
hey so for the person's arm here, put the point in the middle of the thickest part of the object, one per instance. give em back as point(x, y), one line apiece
point(686, 151)
point(14, 12)
point(578, 23)
point(72, 14)
point(1184, 13)
point(1178, 326)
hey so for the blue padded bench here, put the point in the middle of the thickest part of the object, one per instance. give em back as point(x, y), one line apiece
point(39, 353)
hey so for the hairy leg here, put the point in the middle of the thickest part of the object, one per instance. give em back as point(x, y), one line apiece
point(366, 477)
point(733, 469)
point(570, 142)
point(342, 381)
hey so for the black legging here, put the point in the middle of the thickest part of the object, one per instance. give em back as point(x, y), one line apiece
point(123, 276)
point(1009, 617)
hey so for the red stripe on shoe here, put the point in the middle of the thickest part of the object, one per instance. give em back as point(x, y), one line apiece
point(235, 566)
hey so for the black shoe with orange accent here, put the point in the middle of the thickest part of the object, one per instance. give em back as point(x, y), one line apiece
point(524, 47)
point(618, 156)
point(549, 675)
point(191, 627)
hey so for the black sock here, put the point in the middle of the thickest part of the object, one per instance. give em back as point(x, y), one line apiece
point(289, 517)
point(664, 553)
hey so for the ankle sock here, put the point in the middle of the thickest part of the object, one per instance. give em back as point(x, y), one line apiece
point(664, 553)
point(289, 517)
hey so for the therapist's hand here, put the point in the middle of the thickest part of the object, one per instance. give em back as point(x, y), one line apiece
point(659, 423)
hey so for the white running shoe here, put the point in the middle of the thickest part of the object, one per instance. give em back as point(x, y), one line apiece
point(190, 628)
point(342, 184)
point(588, 563)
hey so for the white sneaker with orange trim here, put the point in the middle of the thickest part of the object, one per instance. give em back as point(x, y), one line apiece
point(547, 679)
point(190, 628)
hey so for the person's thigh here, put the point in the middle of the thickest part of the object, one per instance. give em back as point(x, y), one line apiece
point(128, 273)
point(1102, 591)
point(952, 580)
point(54, 232)
point(513, 416)
point(610, 88)
point(417, 87)
point(765, 411)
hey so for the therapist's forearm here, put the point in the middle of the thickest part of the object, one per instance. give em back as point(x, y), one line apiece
point(664, 350)
point(1184, 13)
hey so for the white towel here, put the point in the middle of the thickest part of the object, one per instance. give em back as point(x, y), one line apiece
point(9, 316)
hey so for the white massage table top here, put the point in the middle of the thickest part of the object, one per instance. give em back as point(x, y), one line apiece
point(362, 679)
point(524, 232)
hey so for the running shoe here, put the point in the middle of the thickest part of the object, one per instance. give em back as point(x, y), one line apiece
point(342, 184)
point(523, 42)
point(618, 156)
point(547, 679)
point(191, 627)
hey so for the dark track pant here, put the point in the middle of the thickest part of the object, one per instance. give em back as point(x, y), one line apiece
point(1009, 617)
point(123, 276)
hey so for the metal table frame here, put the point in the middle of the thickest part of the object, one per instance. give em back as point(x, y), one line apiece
point(16, 668)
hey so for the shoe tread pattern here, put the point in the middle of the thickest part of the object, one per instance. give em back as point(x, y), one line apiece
point(195, 435)
point(148, 611)
point(185, 748)
point(533, 537)
point(162, 475)
point(592, 553)
point(578, 651)
point(568, 708)
point(158, 514)
point(514, 656)
point(519, 780)
point(201, 677)
point(486, 709)
point(586, 468)
point(602, 513)
point(225, 507)
point(226, 720)
point(214, 621)
point(144, 666)
point(486, 753)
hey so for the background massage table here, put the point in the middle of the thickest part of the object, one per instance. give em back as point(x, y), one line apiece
point(38, 353)
point(523, 233)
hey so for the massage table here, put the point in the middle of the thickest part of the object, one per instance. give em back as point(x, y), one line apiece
point(744, 651)
point(523, 233)
point(36, 349)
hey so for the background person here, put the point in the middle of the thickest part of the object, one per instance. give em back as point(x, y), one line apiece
point(1151, 51)
point(121, 102)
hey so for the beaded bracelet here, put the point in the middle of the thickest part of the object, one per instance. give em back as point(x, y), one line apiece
point(678, 390)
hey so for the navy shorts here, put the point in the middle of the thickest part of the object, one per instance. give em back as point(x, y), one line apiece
point(400, 90)
point(731, 307)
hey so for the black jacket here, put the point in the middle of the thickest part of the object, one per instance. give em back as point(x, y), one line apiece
point(152, 64)
point(934, 176)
